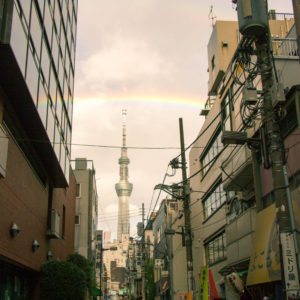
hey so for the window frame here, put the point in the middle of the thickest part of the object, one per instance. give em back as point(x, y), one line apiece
point(220, 199)
point(204, 165)
point(212, 246)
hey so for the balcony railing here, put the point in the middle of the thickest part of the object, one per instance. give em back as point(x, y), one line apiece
point(280, 16)
point(285, 47)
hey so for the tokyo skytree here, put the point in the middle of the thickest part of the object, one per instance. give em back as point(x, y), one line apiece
point(123, 187)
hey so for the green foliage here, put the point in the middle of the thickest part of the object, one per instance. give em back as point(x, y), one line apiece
point(86, 266)
point(62, 281)
point(149, 276)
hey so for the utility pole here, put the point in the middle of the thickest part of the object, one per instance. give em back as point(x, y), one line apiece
point(280, 180)
point(143, 253)
point(255, 27)
point(143, 236)
point(101, 269)
point(187, 213)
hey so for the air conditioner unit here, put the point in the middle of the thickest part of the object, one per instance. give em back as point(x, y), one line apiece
point(54, 231)
point(3, 152)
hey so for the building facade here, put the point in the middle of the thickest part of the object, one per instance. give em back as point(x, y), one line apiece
point(114, 259)
point(230, 194)
point(37, 188)
point(86, 208)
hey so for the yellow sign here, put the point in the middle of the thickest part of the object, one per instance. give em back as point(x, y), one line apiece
point(203, 291)
point(265, 259)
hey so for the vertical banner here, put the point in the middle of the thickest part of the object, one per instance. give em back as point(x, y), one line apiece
point(289, 262)
point(212, 286)
point(204, 284)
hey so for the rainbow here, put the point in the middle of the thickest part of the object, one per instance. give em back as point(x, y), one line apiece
point(187, 103)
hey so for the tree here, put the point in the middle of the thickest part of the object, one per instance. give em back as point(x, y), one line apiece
point(62, 281)
point(149, 277)
point(86, 266)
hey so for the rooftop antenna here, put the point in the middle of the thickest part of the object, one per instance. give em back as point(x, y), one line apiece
point(211, 15)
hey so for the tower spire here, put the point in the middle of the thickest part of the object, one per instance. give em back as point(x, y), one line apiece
point(123, 187)
point(124, 119)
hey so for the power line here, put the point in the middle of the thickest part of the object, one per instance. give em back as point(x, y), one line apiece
point(209, 125)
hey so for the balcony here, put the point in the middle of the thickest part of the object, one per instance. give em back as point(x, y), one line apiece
point(239, 235)
point(237, 170)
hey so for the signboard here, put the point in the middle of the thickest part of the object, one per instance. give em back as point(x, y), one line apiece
point(265, 258)
point(204, 280)
point(289, 262)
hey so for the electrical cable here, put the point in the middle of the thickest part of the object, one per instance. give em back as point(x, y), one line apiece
point(148, 216)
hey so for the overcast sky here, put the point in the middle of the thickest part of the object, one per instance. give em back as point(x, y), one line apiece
point(149, 57)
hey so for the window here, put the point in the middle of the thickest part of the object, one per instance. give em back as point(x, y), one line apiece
point(213, 63)
point(18, 41)
point(213, 149)
point(290, 121)
point(77, 220)
point(216, 197)
point(215, 249)
point(78, 190)
point(226, 107)
point(158, 236)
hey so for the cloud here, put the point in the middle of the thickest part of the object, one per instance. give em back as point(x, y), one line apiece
point(126, 66)
point(130, 51)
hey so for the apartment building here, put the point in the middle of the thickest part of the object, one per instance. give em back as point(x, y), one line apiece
point(86, 208)
point(37, 188)
point(114, 260)
point(169, 250)
point(228, 214)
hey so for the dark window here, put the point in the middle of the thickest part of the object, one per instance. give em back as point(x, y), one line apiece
point(78, 190)
point(290, 121)
point(77, 220)
point(213, 63)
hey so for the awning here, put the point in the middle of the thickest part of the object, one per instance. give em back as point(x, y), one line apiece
point(240, 267)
